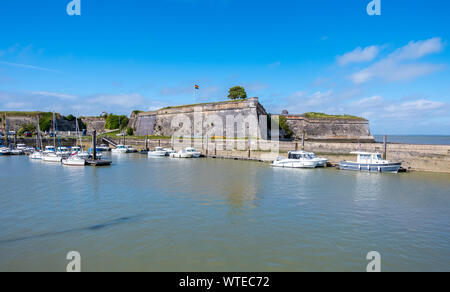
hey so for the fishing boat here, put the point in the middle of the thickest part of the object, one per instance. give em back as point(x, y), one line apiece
point(195, 153)
point(370, 162)
point(120, 149)
point(158, 152)
point(297, 159)
point(74, 160)
point(181, 154)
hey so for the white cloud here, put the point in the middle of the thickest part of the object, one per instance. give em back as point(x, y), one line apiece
point(359, 55)
point(393, 67)
point(54, 94)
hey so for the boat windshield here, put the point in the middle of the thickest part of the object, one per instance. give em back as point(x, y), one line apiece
point(296, 156)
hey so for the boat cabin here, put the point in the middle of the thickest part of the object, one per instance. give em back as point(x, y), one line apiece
point(369, 158)
point(299, 155)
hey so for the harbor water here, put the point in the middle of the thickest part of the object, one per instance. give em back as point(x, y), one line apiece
point(161, 214)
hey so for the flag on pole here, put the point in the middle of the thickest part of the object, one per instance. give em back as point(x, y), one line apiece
point(196, 86)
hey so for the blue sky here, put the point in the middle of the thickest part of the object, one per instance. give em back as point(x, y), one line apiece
point(322, 55)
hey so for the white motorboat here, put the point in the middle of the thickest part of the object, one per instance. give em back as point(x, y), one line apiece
point(5, 151)
point(51, 157)
point(195, 153)
point(158, 152)
point(103, 147)
point(37, 155)
point(322, 161)
point(74, 160)
point(169, 151)
point(120, 149)
point(131, 149)
point(296, 159)
point(182, 154)
point(370, 162)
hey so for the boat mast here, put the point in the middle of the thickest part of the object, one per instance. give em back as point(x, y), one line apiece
point(54, 131)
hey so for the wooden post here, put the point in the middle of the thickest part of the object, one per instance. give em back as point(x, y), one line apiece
point(249, 147)
point(296, 146)
point(385, 147)
point(303, 140)
point(94, 144)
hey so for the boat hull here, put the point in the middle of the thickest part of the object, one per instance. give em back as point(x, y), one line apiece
point(74, 162)
point(388, 167)
point(295, 164)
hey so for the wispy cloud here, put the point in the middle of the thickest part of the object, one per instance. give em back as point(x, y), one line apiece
point(26, 66)
point(54, 94)
point(359, 55)
point(394, 66)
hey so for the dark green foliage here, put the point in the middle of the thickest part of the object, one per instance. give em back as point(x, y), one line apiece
point(130, 132)
point(285, 127)
point(45, 121)
point(70, 118)
point(237, 92)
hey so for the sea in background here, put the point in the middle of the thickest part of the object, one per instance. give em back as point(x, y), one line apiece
point(162, 214)
point(416, 139)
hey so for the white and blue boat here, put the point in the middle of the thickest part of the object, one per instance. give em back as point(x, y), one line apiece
point(370, 162)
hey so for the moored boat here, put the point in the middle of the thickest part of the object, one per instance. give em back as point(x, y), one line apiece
point(158, 152)
point(120, 149)
point(195, 153)
point(297, 159)
point(4, 151)
point(74, 160)
point(51, 157)
point(181, 154)
point(370, 162)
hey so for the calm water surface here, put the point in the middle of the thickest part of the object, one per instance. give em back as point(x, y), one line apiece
point(219, 215)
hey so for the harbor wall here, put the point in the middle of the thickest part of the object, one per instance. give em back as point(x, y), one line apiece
point(330, 129)
point(432, 158)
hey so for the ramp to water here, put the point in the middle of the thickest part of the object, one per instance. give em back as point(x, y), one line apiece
point(110, 142)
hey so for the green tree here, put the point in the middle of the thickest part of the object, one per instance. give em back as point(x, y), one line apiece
point(237, 92)
point(116, 122)
point(130, 132)
point(26, 128)
point(70, 118)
